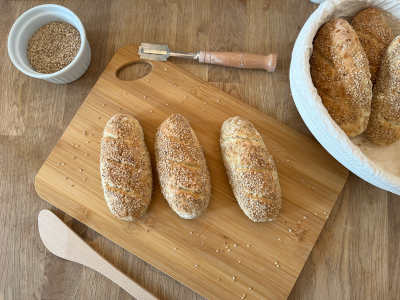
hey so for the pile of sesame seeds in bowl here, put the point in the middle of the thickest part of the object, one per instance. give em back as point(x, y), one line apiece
point(53, 47)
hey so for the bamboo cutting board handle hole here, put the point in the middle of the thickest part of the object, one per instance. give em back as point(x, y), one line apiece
point(133, 71)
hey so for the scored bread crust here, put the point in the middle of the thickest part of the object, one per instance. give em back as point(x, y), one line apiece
point(182, 168)
point(251, 170)
point(384, 123)
point(340, 72)
point(125, 168)
point(375, 35)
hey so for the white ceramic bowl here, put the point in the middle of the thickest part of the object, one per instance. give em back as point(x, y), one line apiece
point(32, 20)
point(379, 166)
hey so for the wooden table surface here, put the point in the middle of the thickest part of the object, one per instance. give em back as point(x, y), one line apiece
point(356, 256)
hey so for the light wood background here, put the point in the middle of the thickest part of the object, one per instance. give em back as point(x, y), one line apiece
point(356, 256)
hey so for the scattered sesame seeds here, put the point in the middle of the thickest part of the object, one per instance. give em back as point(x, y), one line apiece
point(304, 217)
point(87, 142)
point(243, 296)
point(250, 288)
point(229, 250)
point(175, 248)
point(217, 250)
point(218, 100)
point(279, 238)
point(235, 245)
point(81, 170)
point(191, 232)
point(239, 261)
point(144, 97)
point(248, 245)
point(234, 278)
point(290, 230)
point(276, 263)
point(196, 265)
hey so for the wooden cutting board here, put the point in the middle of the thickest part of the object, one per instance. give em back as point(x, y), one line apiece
point(222, 254)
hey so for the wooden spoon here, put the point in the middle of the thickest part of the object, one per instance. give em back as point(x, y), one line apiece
point(63, 242)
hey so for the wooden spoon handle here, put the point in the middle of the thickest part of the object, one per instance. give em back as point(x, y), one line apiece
point(239, 60)
point(63, 242)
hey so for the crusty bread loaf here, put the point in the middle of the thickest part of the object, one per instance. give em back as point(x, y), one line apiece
point(384, 124)
point(340, 72)
point(182, 169)
point(125, 168)
point(375, 34)
point(251, 170)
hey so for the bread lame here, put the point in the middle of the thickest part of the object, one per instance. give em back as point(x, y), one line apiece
point(228, 59)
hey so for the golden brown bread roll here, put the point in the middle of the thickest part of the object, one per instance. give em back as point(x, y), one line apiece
point(125, 168)
point(182, 169)
point(384, 124)
point(375, 35)
point(251, 170)
point(340, 72)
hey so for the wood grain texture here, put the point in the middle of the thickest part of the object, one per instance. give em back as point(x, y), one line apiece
point(35, 113)
point(199, 253)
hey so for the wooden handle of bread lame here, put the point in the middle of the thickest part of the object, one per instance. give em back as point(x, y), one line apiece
point(239, 60)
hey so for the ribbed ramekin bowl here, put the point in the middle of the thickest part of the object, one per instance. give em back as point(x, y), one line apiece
point(365, 160)
point(29, 22)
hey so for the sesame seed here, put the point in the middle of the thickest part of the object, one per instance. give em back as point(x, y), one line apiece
point(81, 170)
point(234, 278)
point(290, 230)
point(243, 296)
point(248, 245)
point(304, 217)
point(217, 250)
point(191, 232)
point(250, 288)
point(235, 245)
point(175, 248)
point(103, 105)
point(196, 265)
point(239, 262)
point(229, 250)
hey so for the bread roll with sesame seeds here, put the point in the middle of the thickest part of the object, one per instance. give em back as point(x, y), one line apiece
point(182, 169)
point(384, 124)
point(125, 168)
point(251, 170)
point(340, 72)
point(375, 34)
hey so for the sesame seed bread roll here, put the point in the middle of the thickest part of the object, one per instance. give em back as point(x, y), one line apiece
point(125, 168)
point(340, 72)
point(384, 123)
point(251, 170)
point(375, 34)
point(182, 169)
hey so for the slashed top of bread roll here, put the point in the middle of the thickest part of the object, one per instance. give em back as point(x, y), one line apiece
point(182, 168)
point(251, 170)
point(384, 124)
point(340, 72)
point(375, 35)
point(125, 168)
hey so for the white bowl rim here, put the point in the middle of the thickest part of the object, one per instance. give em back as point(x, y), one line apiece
point(31, 72)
